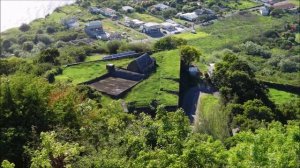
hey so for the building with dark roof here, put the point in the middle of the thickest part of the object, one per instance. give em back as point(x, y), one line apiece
point(94, 29)
point(143, 64)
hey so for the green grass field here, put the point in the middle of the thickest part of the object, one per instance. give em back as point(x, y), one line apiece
point(87, 71)
point(158, 85)
point(281, 97)
point(210, 118)
point(243, 4)
point(94, 57)
point(145, 17)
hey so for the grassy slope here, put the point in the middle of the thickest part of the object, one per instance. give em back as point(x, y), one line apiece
point(154, 87)
point(281, 97)
point(210, 118)
point(232, 31)
point(145, 17)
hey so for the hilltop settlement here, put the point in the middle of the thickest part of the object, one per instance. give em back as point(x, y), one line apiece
point(153, 83)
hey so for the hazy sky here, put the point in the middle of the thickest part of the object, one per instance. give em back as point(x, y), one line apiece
point(16, 12)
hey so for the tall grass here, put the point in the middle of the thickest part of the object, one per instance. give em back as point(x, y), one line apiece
point(210, 118)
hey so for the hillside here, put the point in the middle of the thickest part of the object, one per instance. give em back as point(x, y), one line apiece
point(139, 83)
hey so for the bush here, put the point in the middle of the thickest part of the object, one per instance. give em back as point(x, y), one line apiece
point(49, 75)
point(254, 49)
point(6, 44)
point(28, 46)
point(44, 38)
point(169, 43)
point(113, 46)
point(288, 66)
point(50, 29)
point(23, 38)
point(24, 27)
point(66, 36)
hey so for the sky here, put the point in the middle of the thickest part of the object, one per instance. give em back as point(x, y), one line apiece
point(16, 12)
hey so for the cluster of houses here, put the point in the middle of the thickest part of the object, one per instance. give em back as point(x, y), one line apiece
point(272, 4)
point(152, 28)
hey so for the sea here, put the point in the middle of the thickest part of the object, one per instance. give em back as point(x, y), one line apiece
point(16, 12)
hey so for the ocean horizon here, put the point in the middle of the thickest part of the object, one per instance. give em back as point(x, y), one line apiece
point(16, 12)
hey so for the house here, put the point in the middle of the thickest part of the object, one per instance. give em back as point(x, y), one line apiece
point(161, 7)
point(211, 69)
point(205, 15)
point(108, 12)
point(128, 9)
point(188, 16)
point(70, 23)
point(134, 23)
point(168, 26)
point(94, 29)
point(264, 11)
point(143, 64)
point(94, 10)
point(285, 5)
point(151, 28)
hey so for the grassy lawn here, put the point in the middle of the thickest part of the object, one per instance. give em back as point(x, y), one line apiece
point(191, 36)
point(156, 87)
point(145, 17)
point(281, 97)
point(87, 71)
point(94, 57)
point(210, 118)
point(244, 4)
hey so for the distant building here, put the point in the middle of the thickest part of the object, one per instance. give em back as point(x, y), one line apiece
point(108, 12)
point(285, 5)
point(128, 9)
point(94, 10)
point(188, 16)
point(70, 23)
point(151, 28)
point(205, 15)
point(211, 69)
point(134, 23)
point(143, 64)
point(161, 7)
point(264, 11)
point(94, 29)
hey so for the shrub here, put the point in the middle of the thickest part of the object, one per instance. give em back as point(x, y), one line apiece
point(168, 43)
point(49, 75)
point(28, 46)
point(23, 38)
point(113, 46)
point(50, 29)
point(288, 66)
point(24, 27)
point(66, 36)
point(6, 44)
point(254, 49)
point(44, 38)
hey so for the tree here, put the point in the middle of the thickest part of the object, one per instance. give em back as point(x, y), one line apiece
point(113, 46)
point(237, 82)
point(54, 153)
point(169, 43)
point(28, 46)
point(189, 54)
point(24, 27)
point(23, 106)
point(274, 146)
point(49, 56)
